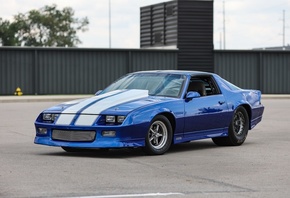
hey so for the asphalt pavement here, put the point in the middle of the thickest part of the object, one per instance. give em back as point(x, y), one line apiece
point(258, 168)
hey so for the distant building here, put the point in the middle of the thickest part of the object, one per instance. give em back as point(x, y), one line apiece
point(186, 25)
point(274, 48)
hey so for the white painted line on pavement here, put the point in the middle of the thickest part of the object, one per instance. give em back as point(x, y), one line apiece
point(131, 195)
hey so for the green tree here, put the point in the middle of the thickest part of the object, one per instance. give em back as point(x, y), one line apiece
point(47, 26)
point(7, 33)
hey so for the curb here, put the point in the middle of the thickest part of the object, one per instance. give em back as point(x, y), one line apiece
point(64, 98)
point(275, 96)
point(50, 98)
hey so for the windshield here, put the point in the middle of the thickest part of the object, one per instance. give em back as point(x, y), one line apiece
point(158, 84)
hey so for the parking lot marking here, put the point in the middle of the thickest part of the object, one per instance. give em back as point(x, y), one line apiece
point(131, 195)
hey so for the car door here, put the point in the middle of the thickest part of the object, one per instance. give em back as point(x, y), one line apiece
point(207, 114)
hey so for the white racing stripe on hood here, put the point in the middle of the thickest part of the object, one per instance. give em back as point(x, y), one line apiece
point(68, 114)
point(93, 107)
point(79, 106)
point(102, 105)
point(65, 119)
point(86, 120)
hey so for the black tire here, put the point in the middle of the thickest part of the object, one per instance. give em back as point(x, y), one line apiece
point(238, 129)
point(159, 136)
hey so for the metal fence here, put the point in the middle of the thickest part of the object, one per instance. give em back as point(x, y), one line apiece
point(74, 70)
point(268, 71)
point(84, 71)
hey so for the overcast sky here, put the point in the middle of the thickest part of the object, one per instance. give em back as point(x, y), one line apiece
point(249, 23)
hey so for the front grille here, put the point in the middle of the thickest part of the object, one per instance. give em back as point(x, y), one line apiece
point(73, 136)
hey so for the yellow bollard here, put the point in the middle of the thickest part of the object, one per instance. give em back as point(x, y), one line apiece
point(18, 92)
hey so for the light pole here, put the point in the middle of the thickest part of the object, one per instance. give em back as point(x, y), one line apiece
point(109, 23)
point(224, 24)
point(283, 28)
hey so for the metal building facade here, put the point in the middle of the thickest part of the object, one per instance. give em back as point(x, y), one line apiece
point(84, 71)
point(183, 24)
point(74, 70)
point(195, 35)
point(268, 71)
point(158, 25)
point(16, 70)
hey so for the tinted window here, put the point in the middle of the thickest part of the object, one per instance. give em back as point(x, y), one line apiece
point(158, 84)
point(204, 85)
point(231, 86)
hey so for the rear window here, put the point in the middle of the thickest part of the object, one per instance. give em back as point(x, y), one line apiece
point(231, 86)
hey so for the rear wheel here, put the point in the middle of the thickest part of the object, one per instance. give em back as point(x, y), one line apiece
point(238, 129)
point(159, 136)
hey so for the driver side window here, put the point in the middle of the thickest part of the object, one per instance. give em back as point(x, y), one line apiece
point(205, 86)
point(197, 86)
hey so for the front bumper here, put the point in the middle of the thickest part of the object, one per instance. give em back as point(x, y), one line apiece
point(126, 136)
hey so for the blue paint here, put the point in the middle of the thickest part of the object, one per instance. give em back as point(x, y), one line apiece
point(194, 117)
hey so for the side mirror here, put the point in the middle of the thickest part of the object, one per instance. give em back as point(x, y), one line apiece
point(98, 92)
point(192, 94)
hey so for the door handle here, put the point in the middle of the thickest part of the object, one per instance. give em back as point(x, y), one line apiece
point(222, 102)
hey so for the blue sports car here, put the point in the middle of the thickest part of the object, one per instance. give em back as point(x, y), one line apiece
point(153, 109)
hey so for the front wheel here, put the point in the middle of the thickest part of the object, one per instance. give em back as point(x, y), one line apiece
point(159, 136)
point(238, 129)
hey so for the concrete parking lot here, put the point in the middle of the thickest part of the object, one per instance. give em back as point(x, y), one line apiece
point(258, 168)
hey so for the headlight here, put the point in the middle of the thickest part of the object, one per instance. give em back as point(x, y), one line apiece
point(110, 119)
point(120, 119)
point(49, 116)
point(115, 119)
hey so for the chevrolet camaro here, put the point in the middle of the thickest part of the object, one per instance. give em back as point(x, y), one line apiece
point(153, 110)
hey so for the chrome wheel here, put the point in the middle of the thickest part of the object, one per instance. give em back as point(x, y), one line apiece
point(238, 129)
point(158, 134)
point(239, 123)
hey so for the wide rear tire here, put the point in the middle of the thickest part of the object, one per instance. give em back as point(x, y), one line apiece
point(238, 129)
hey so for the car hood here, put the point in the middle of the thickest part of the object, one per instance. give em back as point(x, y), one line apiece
point(119, 102)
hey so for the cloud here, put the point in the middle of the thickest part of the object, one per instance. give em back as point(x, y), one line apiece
point(250, 24)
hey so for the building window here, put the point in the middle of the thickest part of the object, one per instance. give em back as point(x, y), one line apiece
point(158, 37)
point(169, 10)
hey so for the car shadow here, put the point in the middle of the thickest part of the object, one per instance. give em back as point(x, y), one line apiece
point(133, 152)
point(100, 153)
point(192, 146)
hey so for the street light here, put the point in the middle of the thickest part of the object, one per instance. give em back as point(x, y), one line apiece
point(109, 23)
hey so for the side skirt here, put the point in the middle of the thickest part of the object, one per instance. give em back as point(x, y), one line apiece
point(197, 135)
